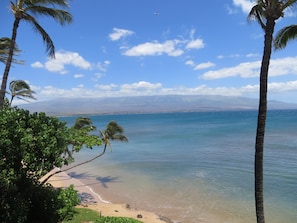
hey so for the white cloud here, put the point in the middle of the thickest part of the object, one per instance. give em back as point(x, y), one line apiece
point(190, 63)
point(168, 47)
point(204, 65)
point(119, 33)
point(248, 69)
point(37, 65)
point(199, 66)
point(141, 85)
point(195, 44)
point(108, 87)
point(245, 5)
point(103, 66)
point(78, 75)
point(66, 58)
point(144, 88)
point(173, 47)
point(282, 86)
point(278, 67)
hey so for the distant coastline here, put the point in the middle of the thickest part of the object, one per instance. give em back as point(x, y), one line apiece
point(149, 104)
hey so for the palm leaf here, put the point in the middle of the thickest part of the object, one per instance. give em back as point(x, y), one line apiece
point(284, 36)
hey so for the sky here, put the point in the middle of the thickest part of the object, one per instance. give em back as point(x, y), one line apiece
point(119, 48)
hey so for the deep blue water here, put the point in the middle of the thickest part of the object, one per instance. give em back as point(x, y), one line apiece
point(193, 165)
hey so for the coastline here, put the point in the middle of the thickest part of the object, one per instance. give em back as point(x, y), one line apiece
point(92, 200)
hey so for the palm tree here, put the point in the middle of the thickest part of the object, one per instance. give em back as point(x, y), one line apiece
point(20, 89)
point(4, 50)
point(266, 13)
point(113, 131)
point(81, 127)
point(83, 123)
point(25, 10)
point(284, 36)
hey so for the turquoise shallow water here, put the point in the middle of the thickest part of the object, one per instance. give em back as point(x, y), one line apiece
point(197, 167)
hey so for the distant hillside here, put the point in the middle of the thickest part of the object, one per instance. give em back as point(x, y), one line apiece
point(148, 104)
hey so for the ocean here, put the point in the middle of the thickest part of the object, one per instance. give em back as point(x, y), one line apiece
point(196, 166)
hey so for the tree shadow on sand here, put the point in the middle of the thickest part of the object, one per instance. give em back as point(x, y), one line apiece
point(104, 181)
point(108, 179)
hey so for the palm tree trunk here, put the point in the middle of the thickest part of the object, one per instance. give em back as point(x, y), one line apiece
point(79, 164)
point(262, 113)
point(9, 61)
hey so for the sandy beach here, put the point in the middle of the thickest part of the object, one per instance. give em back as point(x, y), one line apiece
point(89, 199)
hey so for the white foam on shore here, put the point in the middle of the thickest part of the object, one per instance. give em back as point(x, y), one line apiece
point(99, 197)
point(89, 188)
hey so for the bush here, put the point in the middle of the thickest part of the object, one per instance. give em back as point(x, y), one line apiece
point(68, 198)
point(30, 145)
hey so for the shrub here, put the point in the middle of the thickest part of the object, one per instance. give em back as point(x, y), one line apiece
point(68, 198)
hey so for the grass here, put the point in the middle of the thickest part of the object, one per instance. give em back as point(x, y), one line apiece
point(87, 215)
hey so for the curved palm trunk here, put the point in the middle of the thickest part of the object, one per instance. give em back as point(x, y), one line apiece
point(9, 61)
point(79, 164)
point(259, 147)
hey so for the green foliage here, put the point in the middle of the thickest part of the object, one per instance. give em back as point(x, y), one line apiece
point(116, 220)
point(68, 198)
point(83, 215)
point(30, 146)
point(88, 215)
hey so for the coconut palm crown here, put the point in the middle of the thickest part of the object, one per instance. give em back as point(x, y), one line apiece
point(21, 90)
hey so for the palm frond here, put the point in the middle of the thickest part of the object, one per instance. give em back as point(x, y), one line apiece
point(21, 90)
point(257, 14)
point(61, 16)
point(50, 47)
point(284, 36)
point(61, 3)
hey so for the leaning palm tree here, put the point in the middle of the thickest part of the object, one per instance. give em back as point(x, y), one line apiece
point(21, 90)
point(266, 13)
point(285, 35)
point(4, 50)
point(25, 10)
point(79, 132)
point(113, 131)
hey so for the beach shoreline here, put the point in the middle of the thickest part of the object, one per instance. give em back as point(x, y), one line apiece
point(94, 201)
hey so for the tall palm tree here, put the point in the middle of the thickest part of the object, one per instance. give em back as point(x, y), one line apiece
point(284, 36)
point(26, 10)
point(20, 89)
point(266, 13)
point(113, 131)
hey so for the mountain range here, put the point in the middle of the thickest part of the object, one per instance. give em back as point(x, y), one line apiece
point(148, 104)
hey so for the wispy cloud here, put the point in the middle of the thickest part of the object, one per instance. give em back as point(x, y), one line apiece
point(278, 67)
point(155, 48)
point(37, 64)
point(245, 5)
point(144, 88)
point(199, 66)
point(118, 34)
point(78, 75)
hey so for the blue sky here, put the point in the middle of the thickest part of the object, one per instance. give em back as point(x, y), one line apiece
point(152, 47)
